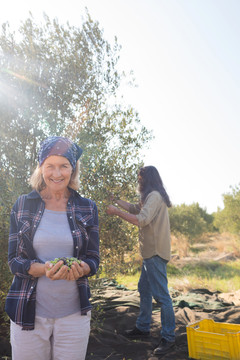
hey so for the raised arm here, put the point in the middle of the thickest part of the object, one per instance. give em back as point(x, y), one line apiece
point(131, 218)
point(123, 204)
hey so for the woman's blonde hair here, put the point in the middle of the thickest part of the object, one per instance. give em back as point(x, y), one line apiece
point(37, 183)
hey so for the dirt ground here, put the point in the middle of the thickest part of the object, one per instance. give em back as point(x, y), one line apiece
point(120, 309)
point(117, 310)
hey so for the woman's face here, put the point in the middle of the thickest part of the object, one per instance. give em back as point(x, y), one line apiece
point(56, 172)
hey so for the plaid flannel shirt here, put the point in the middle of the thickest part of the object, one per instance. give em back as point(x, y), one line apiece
point(26, 215)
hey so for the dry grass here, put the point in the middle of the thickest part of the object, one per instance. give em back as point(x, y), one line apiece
point(227, 243)
point(208, 246)
point(212, 262)
point(180, 245)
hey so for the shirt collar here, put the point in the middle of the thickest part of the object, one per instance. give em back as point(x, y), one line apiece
point(33, 195)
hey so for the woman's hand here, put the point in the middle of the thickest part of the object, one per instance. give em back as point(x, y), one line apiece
point(78, 270)
point(57, 271)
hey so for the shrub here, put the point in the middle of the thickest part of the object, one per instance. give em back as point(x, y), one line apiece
point(190, 220)
point(228, 219)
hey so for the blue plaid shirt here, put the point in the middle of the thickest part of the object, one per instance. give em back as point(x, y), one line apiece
point(26, 215)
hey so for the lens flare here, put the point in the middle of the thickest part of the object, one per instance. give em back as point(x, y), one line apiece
point(24, 78)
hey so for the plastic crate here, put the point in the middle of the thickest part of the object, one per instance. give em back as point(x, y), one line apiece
point(210, 340)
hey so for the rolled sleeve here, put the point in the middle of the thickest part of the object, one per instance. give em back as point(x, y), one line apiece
point(150, 209)
point(134, 209)
point(19, 264)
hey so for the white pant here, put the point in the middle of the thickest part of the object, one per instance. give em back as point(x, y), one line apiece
point(52, 339)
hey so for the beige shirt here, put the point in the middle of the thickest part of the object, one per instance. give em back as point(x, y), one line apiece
point(154, 227)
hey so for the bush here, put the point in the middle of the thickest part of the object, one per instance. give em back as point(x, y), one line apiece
point(190, 220)
point(228, 219)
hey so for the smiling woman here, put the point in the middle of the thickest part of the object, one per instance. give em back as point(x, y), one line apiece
point(56, 173)
point(37, 181)
point(53, 221)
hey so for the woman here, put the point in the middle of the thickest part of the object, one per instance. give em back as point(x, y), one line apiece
point(53, 221)
point(151, 216)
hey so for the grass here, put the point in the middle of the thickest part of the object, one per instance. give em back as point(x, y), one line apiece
point(130, 281)
point(223, 277)
point(203, 271)
point(215, 276)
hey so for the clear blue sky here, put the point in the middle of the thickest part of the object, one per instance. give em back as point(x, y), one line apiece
point(185, 55)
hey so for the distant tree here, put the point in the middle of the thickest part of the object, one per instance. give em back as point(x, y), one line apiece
point(228, 219)
point(63, 80)
point(190, 220)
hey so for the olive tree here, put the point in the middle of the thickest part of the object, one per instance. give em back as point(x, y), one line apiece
point(58, 79)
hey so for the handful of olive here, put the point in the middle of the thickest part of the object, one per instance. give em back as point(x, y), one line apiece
point(66, 261)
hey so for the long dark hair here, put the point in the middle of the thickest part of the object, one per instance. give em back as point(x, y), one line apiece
point(150, 180)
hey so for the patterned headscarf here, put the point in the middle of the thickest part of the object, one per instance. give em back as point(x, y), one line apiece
point(57, 145)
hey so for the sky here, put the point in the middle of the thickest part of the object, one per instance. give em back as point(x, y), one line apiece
point(185, 56)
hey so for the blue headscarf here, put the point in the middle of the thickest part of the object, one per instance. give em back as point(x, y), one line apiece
point(61, 146)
